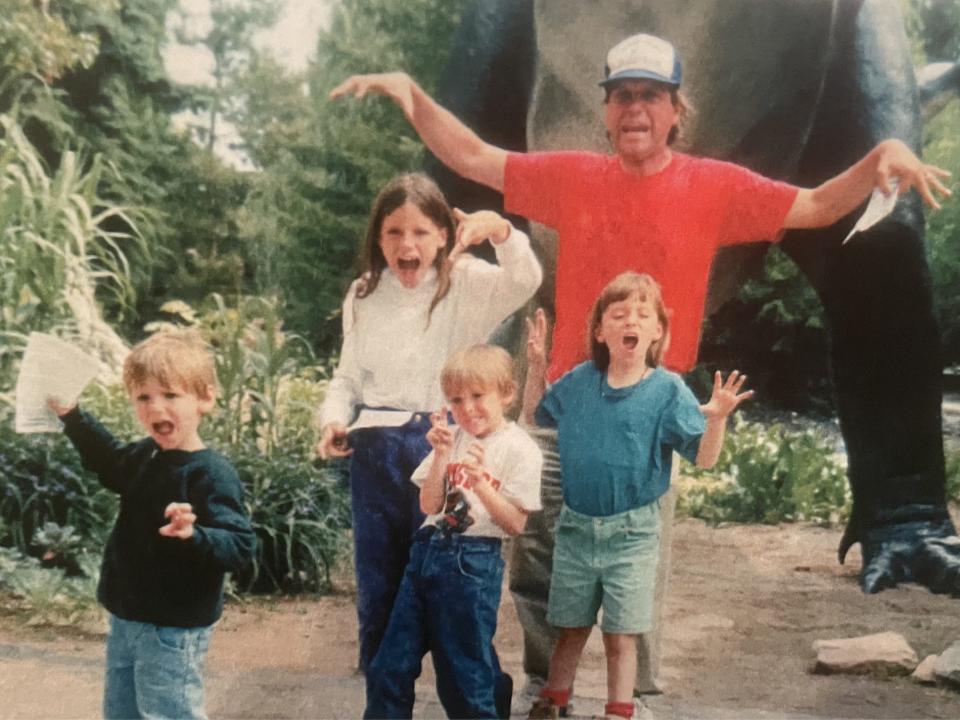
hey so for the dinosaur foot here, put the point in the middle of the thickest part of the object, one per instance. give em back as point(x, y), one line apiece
point(921, 551)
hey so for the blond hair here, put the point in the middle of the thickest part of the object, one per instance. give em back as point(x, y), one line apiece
point(174, 359)
point(620, 288)
point(479, 366)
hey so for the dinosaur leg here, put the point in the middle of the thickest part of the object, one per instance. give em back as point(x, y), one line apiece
point(885, 346)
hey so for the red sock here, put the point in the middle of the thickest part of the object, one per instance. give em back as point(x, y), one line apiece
point(620, 709)
point(560, 698)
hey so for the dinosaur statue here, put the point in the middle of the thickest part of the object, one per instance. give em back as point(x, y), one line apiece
point(796, 91)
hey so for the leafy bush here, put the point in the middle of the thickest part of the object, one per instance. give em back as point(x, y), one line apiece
point(953, 474)
point(300, 515)
point(47, 595)
point(42, 481)
point(768, 475)
point(263, 423)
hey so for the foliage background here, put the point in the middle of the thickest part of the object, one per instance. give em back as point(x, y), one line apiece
point(113, 219)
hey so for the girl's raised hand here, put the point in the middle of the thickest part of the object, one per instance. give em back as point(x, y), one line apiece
point(440, 436)
point(726, 395)
point(537, 339)
point(397, 86)
point(473, 228)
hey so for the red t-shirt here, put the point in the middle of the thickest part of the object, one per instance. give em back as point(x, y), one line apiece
point(668, 225)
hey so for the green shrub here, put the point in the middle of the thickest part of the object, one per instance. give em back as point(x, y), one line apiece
point(48, 596)
point(269, 391)
point(300, 515)
point(953, 474)
point(769, 474)
point(42, 481)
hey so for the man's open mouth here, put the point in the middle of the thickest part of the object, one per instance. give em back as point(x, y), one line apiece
point(412, 264)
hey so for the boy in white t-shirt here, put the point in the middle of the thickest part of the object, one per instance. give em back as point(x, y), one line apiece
point(477, 486)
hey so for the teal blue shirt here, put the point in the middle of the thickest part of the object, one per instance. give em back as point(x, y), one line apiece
point(616, 444)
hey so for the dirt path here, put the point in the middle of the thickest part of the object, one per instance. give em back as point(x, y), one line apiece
point(745, 604)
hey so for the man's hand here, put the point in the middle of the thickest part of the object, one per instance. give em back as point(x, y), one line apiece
point(333, 442)
point(181, 521)
point(474, 228)
point(397, 86)
point(896, 160)
point(726, 396)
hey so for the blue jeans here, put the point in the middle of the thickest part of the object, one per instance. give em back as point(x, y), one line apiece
point(154, 671)
point(386, 514)
point(447, 605)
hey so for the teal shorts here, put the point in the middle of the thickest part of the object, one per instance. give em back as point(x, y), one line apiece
point(605, 562)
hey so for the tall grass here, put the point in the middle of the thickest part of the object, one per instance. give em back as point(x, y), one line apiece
point(61, 247)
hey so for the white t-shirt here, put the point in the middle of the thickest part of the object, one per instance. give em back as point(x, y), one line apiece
point(513, 461)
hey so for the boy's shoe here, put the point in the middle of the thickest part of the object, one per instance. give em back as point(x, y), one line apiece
point(544, 708)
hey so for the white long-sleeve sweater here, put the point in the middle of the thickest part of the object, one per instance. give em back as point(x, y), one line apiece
point(392, 357)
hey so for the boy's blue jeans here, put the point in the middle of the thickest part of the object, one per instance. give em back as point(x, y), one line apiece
point(386, 514)
point(154, 671)
point(447, 605)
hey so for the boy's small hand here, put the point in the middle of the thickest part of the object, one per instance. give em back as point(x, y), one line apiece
point(474, 228)
point(474, 467)
point(60, 410)
point(440, 436)
point(537, 339)
point(181, 521)
point(726, 396)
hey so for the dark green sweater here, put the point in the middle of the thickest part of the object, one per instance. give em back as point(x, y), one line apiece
point(148, 577)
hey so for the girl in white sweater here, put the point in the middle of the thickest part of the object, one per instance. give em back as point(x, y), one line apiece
point(417, 301)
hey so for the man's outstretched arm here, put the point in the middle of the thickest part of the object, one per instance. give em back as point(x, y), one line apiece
point(455, 145)
point(842, 194)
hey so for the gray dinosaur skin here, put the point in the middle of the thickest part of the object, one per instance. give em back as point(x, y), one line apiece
point(797, 91)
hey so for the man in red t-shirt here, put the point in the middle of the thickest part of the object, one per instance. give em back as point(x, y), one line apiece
point(646, 208)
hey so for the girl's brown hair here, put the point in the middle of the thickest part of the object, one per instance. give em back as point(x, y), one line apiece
point(620, 288)
point(423, 192)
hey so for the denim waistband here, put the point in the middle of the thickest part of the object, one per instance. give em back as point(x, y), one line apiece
point(427, 533)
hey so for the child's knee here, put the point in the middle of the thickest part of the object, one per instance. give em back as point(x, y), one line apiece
point(616, 644)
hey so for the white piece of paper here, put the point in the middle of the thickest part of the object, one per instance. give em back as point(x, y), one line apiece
point(380, 418)
point(878, 208)
point(50, 368)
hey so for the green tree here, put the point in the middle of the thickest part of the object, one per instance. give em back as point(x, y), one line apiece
point(37, 43)
point(322, 163)
point(229, 40)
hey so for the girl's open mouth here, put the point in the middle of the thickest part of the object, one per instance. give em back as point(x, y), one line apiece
point(406, 265)
point(630, 341)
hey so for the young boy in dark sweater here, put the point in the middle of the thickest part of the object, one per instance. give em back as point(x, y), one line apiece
point(181, 526)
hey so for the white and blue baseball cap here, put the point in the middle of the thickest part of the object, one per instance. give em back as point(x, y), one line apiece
point(643, 57)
